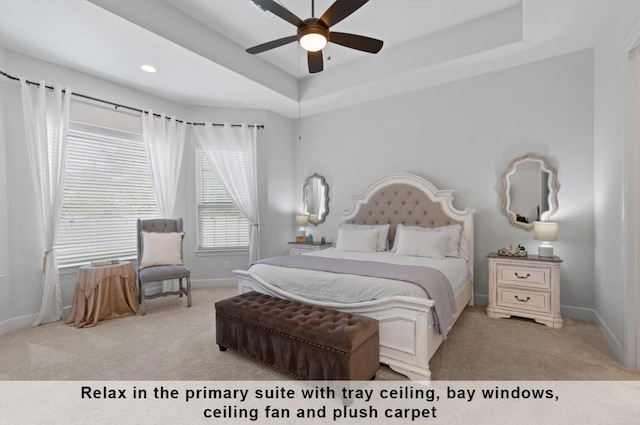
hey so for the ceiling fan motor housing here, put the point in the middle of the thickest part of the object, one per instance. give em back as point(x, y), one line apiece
point(313, 28)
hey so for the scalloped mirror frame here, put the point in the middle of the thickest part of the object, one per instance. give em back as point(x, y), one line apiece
point(324, 184)
point(552, 184)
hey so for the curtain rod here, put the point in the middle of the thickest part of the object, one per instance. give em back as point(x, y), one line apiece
point(117, 105)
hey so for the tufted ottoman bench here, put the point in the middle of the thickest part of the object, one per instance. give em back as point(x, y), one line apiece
point(307, 341)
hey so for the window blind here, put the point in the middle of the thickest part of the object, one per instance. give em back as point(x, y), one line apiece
point(220, 223)
point(107, 188)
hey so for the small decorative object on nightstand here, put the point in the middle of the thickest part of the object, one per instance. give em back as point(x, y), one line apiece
point(520, 251)
point(296, 248)
point(525, 287)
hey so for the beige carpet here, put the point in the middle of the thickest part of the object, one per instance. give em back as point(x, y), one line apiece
point(173, 342)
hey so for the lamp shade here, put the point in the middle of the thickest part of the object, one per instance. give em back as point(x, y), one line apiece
point(302, 220)
point(545, 231)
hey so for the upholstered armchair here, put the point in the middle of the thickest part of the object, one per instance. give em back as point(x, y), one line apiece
point(160, 257)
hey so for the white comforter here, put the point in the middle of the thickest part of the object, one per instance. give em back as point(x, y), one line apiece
point(345, 288)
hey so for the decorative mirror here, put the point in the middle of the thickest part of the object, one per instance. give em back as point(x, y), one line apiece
point(530, 191)
point(316, 199)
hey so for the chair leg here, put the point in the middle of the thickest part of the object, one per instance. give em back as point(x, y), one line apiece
point(143, 309)
point(188, 291)
point(180, 287)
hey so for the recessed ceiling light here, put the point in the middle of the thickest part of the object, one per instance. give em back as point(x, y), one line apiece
point(148, 68)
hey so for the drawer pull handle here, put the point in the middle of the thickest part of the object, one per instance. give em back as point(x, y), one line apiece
point(522, 277)
point(522, 300)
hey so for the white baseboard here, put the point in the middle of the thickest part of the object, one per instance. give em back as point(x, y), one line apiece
point(195, 283)
point(19, 322)
point(613, 342)
point(209, 283)
point(578, 313)
point(26, 321)
point(480, 299)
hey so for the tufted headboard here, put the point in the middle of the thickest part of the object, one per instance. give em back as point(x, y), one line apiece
point(410, 200)
point(401, 203)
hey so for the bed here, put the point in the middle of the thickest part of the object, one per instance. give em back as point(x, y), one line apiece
point(410, 332)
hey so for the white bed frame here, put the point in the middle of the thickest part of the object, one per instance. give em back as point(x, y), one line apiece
point(407, 339)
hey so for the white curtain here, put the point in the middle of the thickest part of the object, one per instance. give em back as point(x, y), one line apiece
point(46, 120)
point(164, 141)
point(231, 150)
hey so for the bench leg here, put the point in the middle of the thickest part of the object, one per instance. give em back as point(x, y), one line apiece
point(222, 348)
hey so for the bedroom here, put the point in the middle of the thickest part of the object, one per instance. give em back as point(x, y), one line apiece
point(566, 105)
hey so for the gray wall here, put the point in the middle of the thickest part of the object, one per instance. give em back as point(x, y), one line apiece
point(5, 285)
point(462, 136)
point(609, 147)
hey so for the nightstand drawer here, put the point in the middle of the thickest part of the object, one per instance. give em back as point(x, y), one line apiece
point(530, 277)
point(299, 250)
point(524, 300)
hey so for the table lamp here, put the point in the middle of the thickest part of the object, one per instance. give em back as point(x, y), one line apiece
point(302, 221)
point(545, 231)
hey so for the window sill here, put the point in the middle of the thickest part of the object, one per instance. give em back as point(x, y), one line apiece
point(221, 252)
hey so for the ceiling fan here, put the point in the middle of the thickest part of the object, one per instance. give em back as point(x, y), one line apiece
point(313, 33)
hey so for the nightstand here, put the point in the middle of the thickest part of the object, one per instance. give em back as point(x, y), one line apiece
point(525, 287)
point(297, 248)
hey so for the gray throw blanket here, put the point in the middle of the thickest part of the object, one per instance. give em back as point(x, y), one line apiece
point(433, 281)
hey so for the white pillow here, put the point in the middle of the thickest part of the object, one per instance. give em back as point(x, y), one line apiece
point(383, 233)
point(364, 240)
point(422, 244)
point(161, 249)
point(453, 244)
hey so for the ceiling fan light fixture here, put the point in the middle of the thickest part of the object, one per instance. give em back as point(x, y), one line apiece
point(313, 42)
point(313, 36)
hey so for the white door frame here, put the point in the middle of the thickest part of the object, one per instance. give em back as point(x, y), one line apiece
point(631, 222)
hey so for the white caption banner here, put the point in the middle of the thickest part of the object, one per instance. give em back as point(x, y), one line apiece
point(310, 402)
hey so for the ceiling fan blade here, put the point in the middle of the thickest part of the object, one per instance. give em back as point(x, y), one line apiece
point(339, 10)
point(271, 44)
point(315, 61)
point(280, 11)
point(358, 42)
